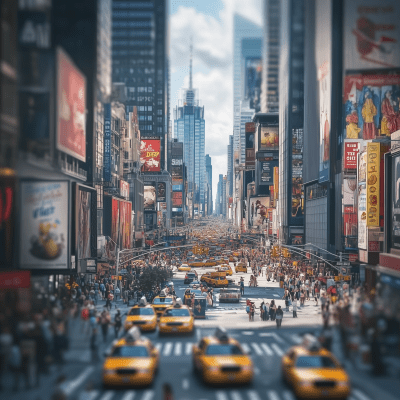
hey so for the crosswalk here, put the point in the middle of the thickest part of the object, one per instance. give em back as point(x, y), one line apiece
point(270, 394)
point(177, 349)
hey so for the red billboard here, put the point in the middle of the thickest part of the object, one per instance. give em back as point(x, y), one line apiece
point(150, 155)
point(125, 217)
point(114, 220)
point(351, 149)
point(71, 108)
point(177, 199)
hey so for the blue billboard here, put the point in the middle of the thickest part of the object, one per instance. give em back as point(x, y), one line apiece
point(107, 143)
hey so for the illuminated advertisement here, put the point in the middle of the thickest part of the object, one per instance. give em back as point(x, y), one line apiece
point(396, 203)
point(349, 192)
point(258, 211)
point(44, 225)
point(269, 138)
point(324, 78)
point(115, 220)
point(83, 222)
point(149, 197)
point(177, 188)
point(161, 191)
point(107, 143)
point(124, 188)
point(371, 106)
point(177, 199)
point(362, 201)
point(176, 173)
point(125, 217)
point(267, 172)
point(71, 108)
point(351, 148)
point(150, 156)
point(276, 181)
point(297, 172)
point(372, 33)
point(373, 175)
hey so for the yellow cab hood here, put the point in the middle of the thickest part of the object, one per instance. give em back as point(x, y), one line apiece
point(127, 362)
point(130, 318)
point(312, 374)
point(222, 361)
point(175, 319)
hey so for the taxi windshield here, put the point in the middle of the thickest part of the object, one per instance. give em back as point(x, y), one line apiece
point(160, 300)
point(223, 349)
point(130, 351)
point(141, 311)
point(315, 362)
point(177, 312)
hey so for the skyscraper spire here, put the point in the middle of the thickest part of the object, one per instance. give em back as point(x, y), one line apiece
point(190, 68)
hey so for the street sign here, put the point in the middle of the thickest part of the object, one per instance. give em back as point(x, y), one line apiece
point(343, 263)
point(342, 278)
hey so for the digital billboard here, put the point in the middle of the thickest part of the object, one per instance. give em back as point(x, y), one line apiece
point(149, 197)
point(267, 172)
point(71, 108)
point(325, 80)
point(177, 199)
point(258, 211)
point(125, 217)
point(107, 143)
point(44, 225)
point(124, 188)
point(373, 178)
point(115, 220)
point(150, 156)
point(83, 223)
point(161, 191)
point(269, 138)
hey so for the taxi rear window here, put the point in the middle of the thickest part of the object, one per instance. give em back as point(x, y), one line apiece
point(177, 313)
point(160, 300)
point(141, 311)
point(315, 362)
point(130, 351)
point(223, 349)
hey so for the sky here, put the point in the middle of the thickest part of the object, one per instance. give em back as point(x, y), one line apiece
point(210, 24)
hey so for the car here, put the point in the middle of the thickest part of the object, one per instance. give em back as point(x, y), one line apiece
point(215, 279)
point(184, 267)
point(131, 361)
point(194, 283)
point(220, 359)
point(161, 302)
point(313, 372)
point(241, 267)
point(176, 319)
point(143, 316)
point(190, 277)
point(227, 269)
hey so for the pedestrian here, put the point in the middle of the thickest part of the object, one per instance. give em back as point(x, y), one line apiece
point(117, 293)
point(302, 297)
point(102, 290)
point(266, 311)
point(15, 365)
point(272, 310)
point(279, 317)
point(252, 310)
point(94, 346)
point(117, 323)
point(316, 299)
point(104, 322)
point(294, 308)
point(262, 311)
point(242, 286)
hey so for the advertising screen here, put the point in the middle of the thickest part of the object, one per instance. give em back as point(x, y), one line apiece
point(150, 155)
point(149, 197)
point(351, 148)
point(44, 225)
point(124, 188)
point(83, 223)
point(71, 108)
point(258, 211)
point(177, 188)
point(176, 173)
point(373, 178)
point(324, 77)
point(177, 199)
point(161, 191)
point(267, 172)
point(396, 203)
point(269, 138)
point(125, 217)
point(362, 201)
point(115, 220)
point(107, 143)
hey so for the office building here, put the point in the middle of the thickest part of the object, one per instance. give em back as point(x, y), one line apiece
point(230, 166)
point(209, 182)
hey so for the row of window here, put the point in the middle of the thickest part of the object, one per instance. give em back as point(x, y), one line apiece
point(130, 4)
point(131, 33)
point(132, 24)
point(133, 14)
point(117, 43)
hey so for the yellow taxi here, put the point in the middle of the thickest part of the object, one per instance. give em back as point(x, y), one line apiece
point(176, 319)
point(241, 267)
point(196, 264)
point(215, 279)
point(313, 372)
point(131, 361)
point(220, 359)
point(161, 303)
point(209, 263)
point(143, 316)
point(227, 269)
point(184, 268)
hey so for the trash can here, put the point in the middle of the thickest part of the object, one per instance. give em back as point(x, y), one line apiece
point(199, 308)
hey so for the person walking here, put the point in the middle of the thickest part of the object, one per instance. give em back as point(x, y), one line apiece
point(104, 322)
point(117, 323)
point(272, 310)
point(266, 311)
point(294, 308)
point(262, 311)
point(279, 317)
point(242, 286)
point(102, 290)
point(117, 293)
point(252, 310)
point(94, 346)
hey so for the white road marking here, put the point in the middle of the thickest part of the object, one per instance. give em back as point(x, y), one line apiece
point(297, 339)
point(185, 384)
point(107, 395)
point(88, 395)
point(359, 394)
point(267, 349)
point(158, 346)
point(249, 333)
point(272, 395)
point(148, 395)
point(245, 347)
point(167, 349)
point(71, 386)
point(221, 396)
point(235, 395)
point(178, 349)
point(278, 351)
point(276, 295)
point(198, 334)
point(287, 395)
point(129, 395)
point(257, 349)
point(188, 349)
point(277, 338)
point(253, 395)
point(264, 334)
point(257, 371)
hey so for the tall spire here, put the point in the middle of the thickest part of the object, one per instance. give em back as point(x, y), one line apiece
point(190, 68)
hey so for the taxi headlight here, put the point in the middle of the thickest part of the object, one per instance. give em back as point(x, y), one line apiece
point(305, 383)
point(163, 324)
point(213, 369)
point(247, 368)
point(143, 370)
point(342, 383)
point(186, 324)
point(109, 371)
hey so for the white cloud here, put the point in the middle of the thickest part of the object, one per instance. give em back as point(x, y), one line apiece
point(212, 41)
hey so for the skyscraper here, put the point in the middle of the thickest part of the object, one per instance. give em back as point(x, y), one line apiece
point(230, 165)
point(139, 59)
point(209, 181)
point(189, 128)
point(247, 43)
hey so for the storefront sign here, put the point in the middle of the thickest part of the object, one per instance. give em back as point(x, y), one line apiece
point(373, 177)
point(15, 280)
point(44, 225)
point(107, 143)
point(350, 154)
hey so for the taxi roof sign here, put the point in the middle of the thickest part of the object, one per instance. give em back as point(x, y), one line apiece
point(311, 343)
point(143, 301)
point(221, 334)
point(133, 334)
point(178, 302)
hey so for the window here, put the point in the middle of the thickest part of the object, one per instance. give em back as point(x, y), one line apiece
point(130, 351)
point(142, 311)
point(159, 111)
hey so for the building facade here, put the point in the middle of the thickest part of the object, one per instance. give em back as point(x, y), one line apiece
point(209, 182)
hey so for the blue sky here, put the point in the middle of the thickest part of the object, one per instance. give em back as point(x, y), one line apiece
point(210, 23)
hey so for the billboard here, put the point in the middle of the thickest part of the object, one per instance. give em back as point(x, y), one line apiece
point(161, 191)
point(115, 220)
point(258, 211)
point(349, 192)
point(177, 188)
point(362, 201)
point(71, 108)
point(176, 172)
point(44, 225)
point(150, 156)
point(372, 32)
point(125, 218)
point(371, 105)
point(267, 172)
point(124, 188)
point(253, 70)
point(177, 199)
point(269, 138)
point(107, 143)
point(351, 149)
point(395, 211)
point(149, 197)
point(83, 222)
point(324, 78)
point(373, 178)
